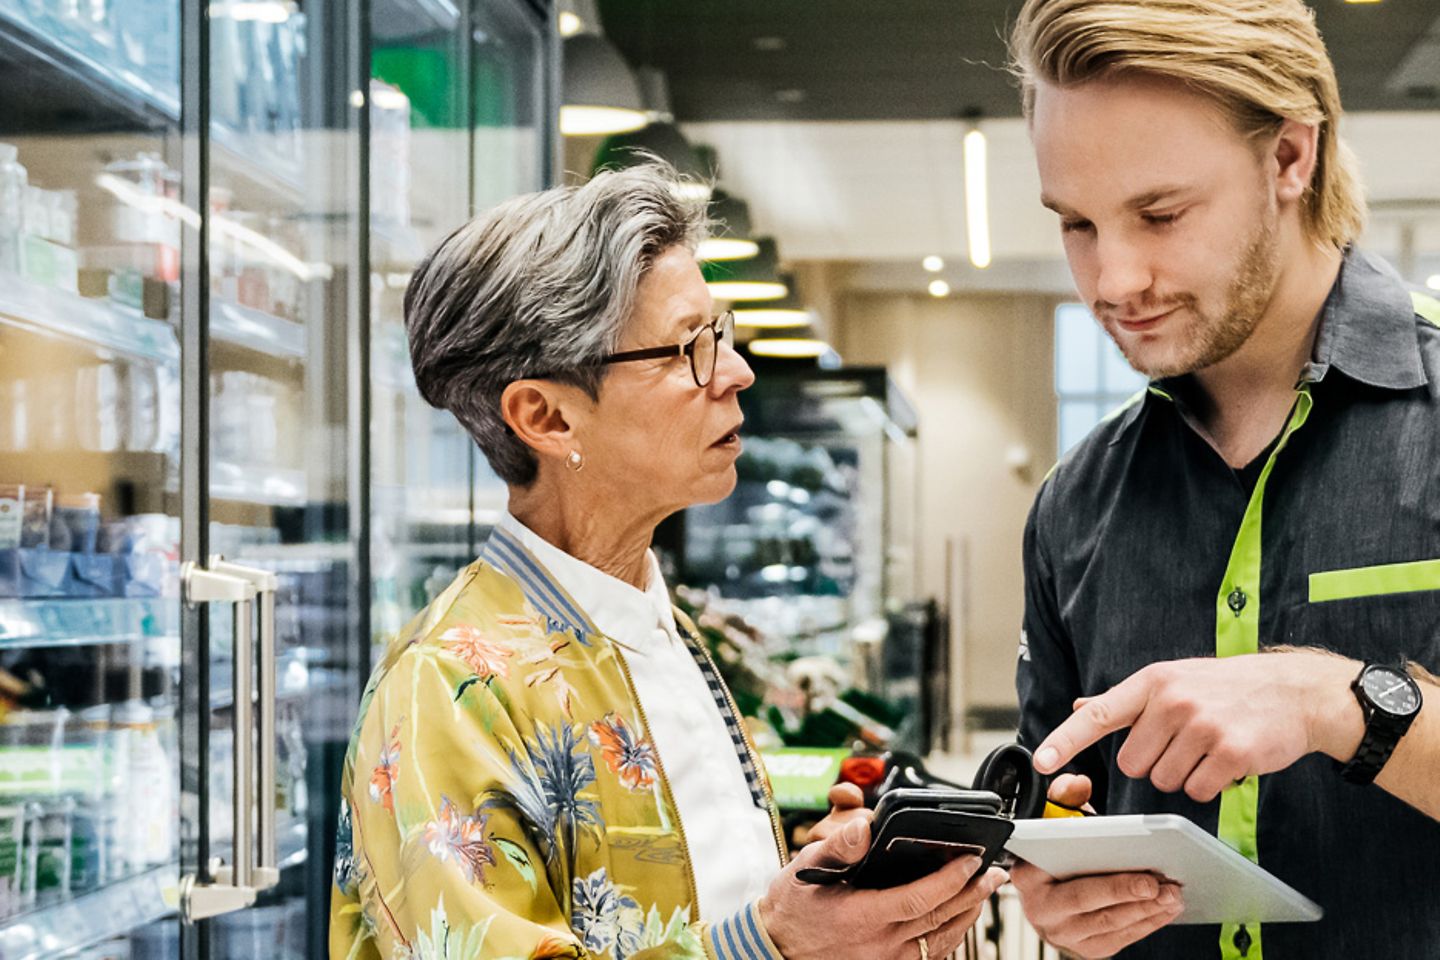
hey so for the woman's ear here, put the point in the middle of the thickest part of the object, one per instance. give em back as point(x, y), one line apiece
point(540, 413)
point(1295, 154)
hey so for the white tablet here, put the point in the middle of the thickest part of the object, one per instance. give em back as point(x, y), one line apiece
point(1218, 884)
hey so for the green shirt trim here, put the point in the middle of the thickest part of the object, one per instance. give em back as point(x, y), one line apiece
point(1426, 306)
point(1378, 581)
point(1237, 632)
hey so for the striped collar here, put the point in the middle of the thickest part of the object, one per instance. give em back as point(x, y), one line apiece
point(504, 551)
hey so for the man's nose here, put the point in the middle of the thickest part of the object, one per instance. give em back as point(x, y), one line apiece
point(1124, 271)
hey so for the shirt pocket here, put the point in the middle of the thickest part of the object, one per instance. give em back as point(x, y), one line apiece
point(1376, 612)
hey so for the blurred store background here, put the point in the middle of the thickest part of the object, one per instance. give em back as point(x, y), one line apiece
point(208, 216)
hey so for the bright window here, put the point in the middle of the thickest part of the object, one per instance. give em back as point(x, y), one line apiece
point(1091, 376)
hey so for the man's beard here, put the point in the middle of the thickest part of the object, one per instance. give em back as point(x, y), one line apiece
point(1212, 338)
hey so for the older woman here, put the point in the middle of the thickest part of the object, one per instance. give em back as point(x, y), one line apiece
point(546, 763)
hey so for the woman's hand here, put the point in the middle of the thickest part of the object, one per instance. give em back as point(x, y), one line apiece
point(847, 803)
point(839, 922)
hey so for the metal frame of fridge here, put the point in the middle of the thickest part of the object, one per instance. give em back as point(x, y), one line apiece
point(202, 886)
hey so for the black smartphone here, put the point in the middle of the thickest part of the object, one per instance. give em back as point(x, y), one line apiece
point(917, 831)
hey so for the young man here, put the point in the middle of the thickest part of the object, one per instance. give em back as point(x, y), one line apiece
point(1278, 486)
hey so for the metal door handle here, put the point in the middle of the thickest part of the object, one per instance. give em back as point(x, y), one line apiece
point(266, 870)
point(231, 889)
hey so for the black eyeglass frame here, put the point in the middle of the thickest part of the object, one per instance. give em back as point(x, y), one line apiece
point(722, 328)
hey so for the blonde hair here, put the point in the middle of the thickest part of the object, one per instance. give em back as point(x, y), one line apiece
point(1260, 61)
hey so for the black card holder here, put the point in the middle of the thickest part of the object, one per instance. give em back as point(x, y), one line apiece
point(916, 832)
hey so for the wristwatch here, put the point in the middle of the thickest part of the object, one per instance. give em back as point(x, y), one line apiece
point(1390, 698)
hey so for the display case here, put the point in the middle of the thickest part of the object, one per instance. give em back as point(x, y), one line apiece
point(207, 215)
point(815, 547)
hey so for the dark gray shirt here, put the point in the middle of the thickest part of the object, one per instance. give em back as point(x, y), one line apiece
point(1128, 548)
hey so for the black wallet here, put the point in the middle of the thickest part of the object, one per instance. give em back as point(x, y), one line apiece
point(917, 831)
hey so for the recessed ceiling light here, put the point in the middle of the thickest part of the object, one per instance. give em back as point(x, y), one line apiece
point(1433, 282)
point(788, 347)
point(939, 288)
point(791, 95)
point(933, 264)
point(570, 24)
point(769, 44)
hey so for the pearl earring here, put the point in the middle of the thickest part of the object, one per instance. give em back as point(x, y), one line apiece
point(574, 462)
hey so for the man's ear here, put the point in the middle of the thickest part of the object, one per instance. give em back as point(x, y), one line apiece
point(542, 414)
point(1295, 154)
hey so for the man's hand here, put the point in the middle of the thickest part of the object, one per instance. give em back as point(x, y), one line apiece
point(839, 922)
point(1093, 916)
point(847, 803)
point(1200, 725)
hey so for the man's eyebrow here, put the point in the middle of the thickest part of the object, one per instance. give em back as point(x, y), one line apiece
point(1138, 202)
point(1152, 197)
point(1051, 203)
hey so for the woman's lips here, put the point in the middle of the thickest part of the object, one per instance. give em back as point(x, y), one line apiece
point(733, 437)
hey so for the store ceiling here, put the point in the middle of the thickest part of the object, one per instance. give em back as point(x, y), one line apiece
point(934, 59)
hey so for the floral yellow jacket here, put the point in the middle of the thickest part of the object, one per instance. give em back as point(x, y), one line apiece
point(503, 798)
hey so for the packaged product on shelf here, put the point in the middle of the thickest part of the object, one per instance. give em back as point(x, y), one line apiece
point(150, 830)
point(149, 235)
point(105, 801)
point(49, 829)
point(75, 523)
point(15, 893)
point(245, 934)
point(12, 515)
point(43, 258)
point(157, 941)
point(14, 181)
point(99, 424)
point(87, 841)
point(148, 35)
point(35, 531)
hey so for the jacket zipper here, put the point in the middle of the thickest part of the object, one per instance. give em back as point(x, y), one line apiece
point(775, 830)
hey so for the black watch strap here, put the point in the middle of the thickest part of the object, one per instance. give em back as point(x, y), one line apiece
point(1374, 750)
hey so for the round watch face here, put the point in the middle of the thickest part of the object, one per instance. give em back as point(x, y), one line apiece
point(1391, 691)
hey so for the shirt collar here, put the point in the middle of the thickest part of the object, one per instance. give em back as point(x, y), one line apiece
point(615, 608)
point(1367, 332)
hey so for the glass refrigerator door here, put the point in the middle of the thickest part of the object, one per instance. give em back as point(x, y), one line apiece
point(457, 125)
point(90, 460)
point(283, 247)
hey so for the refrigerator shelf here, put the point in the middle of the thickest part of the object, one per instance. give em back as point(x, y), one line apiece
point(73, 621)
point(255, 330)
point(40, 309)
point(45, 310)
point(115, 909)
point(268, 486)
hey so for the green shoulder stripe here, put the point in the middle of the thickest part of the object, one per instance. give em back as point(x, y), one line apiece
point(1426, 306)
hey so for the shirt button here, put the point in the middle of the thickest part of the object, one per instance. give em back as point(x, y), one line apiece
point(1236, 601)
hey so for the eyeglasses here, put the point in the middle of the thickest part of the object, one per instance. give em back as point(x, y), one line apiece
point(702, 349)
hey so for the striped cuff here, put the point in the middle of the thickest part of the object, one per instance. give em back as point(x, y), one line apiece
point(741, 937)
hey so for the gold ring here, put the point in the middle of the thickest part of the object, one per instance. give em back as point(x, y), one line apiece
point(924, 949)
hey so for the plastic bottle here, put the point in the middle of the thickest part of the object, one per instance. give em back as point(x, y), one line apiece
point(14, 184)
point(150, 830)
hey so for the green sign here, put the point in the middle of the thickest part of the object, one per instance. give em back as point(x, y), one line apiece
point(801, 777)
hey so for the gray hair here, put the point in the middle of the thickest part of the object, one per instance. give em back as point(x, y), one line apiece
point(543, 285)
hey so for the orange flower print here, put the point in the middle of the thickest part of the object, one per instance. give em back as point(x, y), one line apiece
point(628, 757)
point(487, 658)
point(386, 772)
point(455, 838)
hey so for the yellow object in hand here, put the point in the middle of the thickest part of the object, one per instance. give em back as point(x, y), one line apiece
point(1053, 811)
